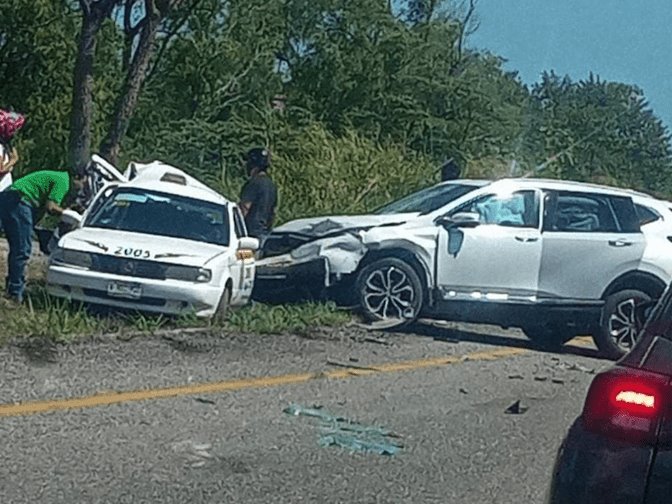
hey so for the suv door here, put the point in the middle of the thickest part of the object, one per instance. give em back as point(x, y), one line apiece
point(499, 258)
point(589, 239)
point(243, 267)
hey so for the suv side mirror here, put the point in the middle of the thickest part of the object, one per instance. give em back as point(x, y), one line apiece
point(248, 243)
point(460, 220)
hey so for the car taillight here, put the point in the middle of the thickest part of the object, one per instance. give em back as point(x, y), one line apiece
point(627, 404)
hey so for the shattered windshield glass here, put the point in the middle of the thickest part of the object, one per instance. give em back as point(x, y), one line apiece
point(426, 200)
point(154, 213)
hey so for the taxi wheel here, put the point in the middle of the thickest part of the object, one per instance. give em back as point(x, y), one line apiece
point(223, 307)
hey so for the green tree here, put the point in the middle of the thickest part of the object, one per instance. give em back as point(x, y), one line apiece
point(600, 131)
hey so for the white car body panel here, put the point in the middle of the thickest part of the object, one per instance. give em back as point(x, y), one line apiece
point(493, 262)
point(571, 262)
point(657, 258)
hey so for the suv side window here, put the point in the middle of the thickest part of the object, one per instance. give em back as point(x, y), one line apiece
point(519, 209)
point(579, 212)
point(626, 214)
point(239, 223)
point(646, 215)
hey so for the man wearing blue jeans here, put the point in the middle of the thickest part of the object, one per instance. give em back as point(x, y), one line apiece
point(21, 206)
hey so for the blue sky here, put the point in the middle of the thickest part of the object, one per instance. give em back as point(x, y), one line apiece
point(619, 40)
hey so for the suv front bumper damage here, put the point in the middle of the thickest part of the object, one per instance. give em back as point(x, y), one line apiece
point(309, 269)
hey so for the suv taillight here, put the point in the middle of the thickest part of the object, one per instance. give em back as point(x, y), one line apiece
point(627, 404)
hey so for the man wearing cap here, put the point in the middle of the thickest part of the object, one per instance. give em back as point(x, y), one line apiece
point(259, 197)
point(21, 206)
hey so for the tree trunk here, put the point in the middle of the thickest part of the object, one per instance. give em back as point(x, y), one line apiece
point(130, 93)
point(82, 96)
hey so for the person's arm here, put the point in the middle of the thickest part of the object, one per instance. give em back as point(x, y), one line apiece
point(13, 159)
point(271, 219)
point(53, 208)
point(247, 197)
point(245, 207)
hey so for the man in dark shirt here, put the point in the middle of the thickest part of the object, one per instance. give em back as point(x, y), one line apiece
point(259, 197)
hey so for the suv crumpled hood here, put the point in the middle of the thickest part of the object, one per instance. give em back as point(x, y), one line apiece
point(321, 226)
point(152, 247)
point(298, 232)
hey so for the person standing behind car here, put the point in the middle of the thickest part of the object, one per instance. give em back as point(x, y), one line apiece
point(8, 158)
point(21, 206)
point(10, 124)
point(259, 197)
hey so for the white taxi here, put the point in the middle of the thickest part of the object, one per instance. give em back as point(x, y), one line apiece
point(160, 242)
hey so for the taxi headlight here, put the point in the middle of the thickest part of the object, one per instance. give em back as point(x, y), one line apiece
point(188, 274)
point(72, 258)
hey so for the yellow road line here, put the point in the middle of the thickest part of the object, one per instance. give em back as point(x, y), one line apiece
point(109, 398)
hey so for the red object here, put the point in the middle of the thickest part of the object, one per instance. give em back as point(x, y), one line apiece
point(10, 123)
point(628, 404)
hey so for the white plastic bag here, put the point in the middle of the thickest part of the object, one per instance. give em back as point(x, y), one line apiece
point(6, 181)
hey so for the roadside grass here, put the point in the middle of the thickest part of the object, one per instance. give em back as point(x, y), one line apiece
point(61, 321)
point(294, 318)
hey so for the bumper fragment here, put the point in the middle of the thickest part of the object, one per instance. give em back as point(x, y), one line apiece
point(171, 297)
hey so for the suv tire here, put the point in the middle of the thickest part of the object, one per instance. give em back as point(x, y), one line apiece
point(620, 323)
point(390, 291)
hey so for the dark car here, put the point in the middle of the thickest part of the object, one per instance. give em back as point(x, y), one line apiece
point(619, 450)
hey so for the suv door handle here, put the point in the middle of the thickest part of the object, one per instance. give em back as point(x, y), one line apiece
point(620, 243)
point(527, 239)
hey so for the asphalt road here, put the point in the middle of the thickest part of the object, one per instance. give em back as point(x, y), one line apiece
point(69, 436)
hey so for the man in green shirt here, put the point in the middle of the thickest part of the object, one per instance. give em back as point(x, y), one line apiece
point(21, 206)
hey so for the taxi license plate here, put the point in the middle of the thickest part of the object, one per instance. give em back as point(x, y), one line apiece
point(124, 290)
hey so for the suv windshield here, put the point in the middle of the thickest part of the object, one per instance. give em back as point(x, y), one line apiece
point(426, 200)
point(155, 213)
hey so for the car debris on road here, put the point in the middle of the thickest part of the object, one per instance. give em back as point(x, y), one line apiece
point(345, 433)
point(516, 409)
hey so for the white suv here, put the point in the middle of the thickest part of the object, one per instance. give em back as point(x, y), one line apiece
point(555, 258)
